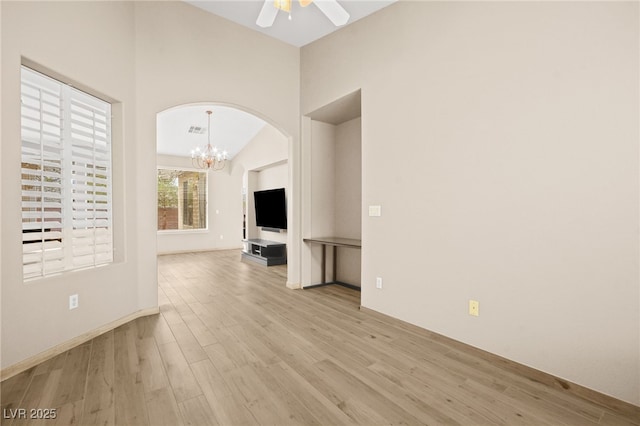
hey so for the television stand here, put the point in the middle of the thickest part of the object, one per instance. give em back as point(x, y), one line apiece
point(265, 252)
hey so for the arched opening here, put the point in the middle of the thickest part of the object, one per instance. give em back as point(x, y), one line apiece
point(200, 209)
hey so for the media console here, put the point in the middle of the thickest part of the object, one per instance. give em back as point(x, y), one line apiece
point(265, 252)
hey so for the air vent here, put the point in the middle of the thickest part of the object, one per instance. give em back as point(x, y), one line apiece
point(197, 130)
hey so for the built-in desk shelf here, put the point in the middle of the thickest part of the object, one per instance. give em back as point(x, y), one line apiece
point(333, 242)
point(265, 252)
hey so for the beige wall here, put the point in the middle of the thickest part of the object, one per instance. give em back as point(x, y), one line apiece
point(273, 177)
point(267, 150)
point(319, 189)
point(323, 178)
point(348, 197)
point(267, 147)
point(35, 315)
point(147, 57)
point(501, 140)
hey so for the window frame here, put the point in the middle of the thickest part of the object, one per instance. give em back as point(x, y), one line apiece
point(206, 209)
point(84, 126)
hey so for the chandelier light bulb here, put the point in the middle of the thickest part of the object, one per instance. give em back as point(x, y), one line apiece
point(210, 158)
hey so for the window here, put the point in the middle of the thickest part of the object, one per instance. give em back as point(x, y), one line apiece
point(66, 177)
point(182, 199)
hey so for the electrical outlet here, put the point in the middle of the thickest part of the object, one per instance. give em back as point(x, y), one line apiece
point(378, 282)
point(375, 211)
point(73, 301)
point(222, 237)
point(474, 308)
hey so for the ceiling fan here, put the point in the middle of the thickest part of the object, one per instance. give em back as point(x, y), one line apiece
point(331, 8)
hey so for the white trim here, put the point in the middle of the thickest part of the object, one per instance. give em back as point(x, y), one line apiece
point(206, 201)
point(184, 231)
point(202, 250)
point(186, 169)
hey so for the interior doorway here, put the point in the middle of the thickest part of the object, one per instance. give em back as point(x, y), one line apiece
point(217, 201)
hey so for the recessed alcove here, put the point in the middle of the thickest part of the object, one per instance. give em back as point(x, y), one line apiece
point(332, 194)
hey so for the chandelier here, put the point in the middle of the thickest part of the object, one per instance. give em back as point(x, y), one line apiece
point(209, 158)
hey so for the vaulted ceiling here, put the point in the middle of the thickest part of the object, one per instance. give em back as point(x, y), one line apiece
point(307, 24)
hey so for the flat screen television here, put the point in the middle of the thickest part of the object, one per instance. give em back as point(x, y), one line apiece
point(271, 208)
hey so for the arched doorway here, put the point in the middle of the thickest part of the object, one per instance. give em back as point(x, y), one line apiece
point(191, 218)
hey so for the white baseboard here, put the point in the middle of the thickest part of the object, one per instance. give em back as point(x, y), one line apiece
point(26, 364)
point(293, 286)
point(161, 253)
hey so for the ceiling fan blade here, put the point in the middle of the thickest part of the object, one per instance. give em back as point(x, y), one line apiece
point(333, 10)
point(267, 15)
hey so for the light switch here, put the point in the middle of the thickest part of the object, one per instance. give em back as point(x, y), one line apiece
point(73, 301)
point(378, 282)
point(375, 211)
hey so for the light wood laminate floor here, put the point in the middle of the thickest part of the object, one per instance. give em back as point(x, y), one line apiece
point(233, 346)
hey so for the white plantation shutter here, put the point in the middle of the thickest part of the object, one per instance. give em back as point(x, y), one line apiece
point(42, 188)
point(66, 177)
point(90, 132)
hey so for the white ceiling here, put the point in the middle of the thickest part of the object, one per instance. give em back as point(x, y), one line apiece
point(231, 129)
point(307, 24)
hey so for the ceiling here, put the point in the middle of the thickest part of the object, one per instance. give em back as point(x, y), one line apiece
point(307, 24)
point(231, 129)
